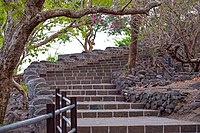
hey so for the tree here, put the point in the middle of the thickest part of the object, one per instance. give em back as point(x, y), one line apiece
point(183, 33)
point(22, 17)
point(91, 25)
point(173, 29)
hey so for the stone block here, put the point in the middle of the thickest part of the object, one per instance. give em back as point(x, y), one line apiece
point(100, 129)
point(41, 100)
point(44, 92)
point(118, 129)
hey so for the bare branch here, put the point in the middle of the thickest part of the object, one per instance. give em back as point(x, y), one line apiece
point(22, 92)
point(126, 5)
point(173, 51)
point(90, 3)
point(79, 41)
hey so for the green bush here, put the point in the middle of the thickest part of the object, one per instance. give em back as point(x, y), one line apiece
point(124, 41)
point(52, 58)
point(25, 87)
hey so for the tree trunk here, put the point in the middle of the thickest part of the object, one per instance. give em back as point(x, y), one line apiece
point(16, 36)
point(133, 46)
point(5, 84)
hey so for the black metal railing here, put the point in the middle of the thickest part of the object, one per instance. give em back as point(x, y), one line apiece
point(62, 101)
point(55, 115)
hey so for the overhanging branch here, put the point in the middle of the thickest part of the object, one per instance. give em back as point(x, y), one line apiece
point(98, 9)
point(55, 35)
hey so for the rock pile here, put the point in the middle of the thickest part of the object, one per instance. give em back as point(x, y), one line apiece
point(38, 91)
point(144, 78)
point(164, 101)
point(157, 74)
point(38, 95)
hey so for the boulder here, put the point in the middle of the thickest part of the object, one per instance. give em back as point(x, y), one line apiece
point(32, 85)
point(41, 100)
point(30, 77)
point(44, 92)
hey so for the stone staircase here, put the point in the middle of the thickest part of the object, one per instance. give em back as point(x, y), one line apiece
point(101, 108)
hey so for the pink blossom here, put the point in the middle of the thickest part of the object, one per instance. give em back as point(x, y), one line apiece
point(95, 18)
point(93, 15)
point(112, 23)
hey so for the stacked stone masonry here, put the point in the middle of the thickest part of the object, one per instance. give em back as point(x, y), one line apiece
point(101, 107)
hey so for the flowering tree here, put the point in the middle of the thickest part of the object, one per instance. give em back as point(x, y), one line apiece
point(91, 24)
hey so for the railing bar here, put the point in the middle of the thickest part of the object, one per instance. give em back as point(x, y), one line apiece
point(59, 95)
point(34, 120)
point(67, 120)
point(72, 131)
point(25, 122)
point(66, 100)
point(58, 111)
point(59, 129)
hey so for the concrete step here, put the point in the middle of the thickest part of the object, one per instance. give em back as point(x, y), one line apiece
point(84, 86)
point(109, 105)
point(79, 77)
point(116, 113)
point(106, 64)
point(100, 68)
point(122, 61)
point(79, 73)
point(136, 125)
point(89, 92)
point(85, 81)
point(82, 98)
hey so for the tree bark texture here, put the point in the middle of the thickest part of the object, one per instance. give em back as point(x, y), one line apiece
point(16, 36)
point(133, 46)
point(5, 88)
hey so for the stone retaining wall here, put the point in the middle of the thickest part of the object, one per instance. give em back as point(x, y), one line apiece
point(39, 94)
point(147, 84)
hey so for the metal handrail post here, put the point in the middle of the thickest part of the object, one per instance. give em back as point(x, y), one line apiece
point(51, 121)
point(74, 114)
point(64, 123)
point(57, 107)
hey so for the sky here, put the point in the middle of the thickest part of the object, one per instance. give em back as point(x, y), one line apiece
point(101, 42)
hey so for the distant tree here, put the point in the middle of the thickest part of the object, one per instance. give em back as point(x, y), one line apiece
point(173, 28)
point(183, 34)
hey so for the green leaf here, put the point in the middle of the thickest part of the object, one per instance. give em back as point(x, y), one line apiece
point(84, 34)
point(107, 3)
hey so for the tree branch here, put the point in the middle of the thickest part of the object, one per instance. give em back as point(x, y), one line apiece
point(79, 41)
point(22, 92)
point(98, 9)
point(126, 5)
point(173, 51)
point(55, 35)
